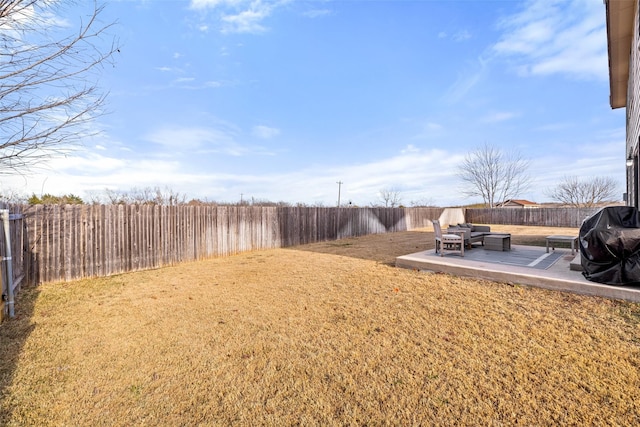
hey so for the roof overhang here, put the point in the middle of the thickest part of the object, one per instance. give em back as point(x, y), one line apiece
point(620, 16)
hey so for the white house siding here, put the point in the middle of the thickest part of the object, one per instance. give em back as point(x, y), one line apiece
point(633, 116)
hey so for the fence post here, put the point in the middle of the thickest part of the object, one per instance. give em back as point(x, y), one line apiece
point(4, 215)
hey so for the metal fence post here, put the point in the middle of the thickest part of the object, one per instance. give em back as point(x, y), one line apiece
point(4, 215)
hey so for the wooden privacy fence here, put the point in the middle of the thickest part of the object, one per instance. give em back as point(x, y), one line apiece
point(55, 243)
point(76, 241)
point(543, 217)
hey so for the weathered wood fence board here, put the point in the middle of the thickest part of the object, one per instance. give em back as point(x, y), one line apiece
point(543, 217)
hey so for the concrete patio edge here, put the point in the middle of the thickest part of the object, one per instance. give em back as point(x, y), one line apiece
point(559, 277)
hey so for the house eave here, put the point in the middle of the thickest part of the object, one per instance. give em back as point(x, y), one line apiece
point(620, 16)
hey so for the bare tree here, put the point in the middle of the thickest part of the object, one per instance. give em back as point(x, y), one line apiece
point(47, 74)
point(169, 197)
point(390, 197)
point(424, 203)
point(11, 196)
point(494, 175)
point(584, 193)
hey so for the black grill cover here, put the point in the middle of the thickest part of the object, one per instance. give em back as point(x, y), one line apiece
point(610, 246)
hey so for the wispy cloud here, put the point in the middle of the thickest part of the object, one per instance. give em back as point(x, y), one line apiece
point(410, 149)
point(467, 80)
point(203, 4)
point(499, 116)
point(265, 132)
point(461, 36)
point(554, 127)
point(194, 138)
point(238, 16)
point(548, 37)
point(247, 21)
point(457, 36)
point(317, 13)
point(191, 83)
point(223, 139)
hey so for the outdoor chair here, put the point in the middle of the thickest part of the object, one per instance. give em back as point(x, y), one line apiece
point(448, 242)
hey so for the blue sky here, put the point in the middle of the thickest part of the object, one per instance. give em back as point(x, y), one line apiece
point(280, 100)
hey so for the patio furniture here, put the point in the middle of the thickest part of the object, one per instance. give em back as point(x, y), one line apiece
point(472, 233)
point(562, 239)
point(497, 242)
point(448, 242)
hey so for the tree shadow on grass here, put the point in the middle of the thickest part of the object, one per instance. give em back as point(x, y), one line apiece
point(13, 336)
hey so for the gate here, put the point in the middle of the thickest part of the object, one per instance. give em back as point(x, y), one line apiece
point(11, 255)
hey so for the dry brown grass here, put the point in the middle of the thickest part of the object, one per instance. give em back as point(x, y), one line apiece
point(324, 334)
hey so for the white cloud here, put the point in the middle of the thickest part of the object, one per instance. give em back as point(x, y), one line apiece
point(265, 132)
point(238, 16)
point(410, 149)
point(548, 37)
point(247, 21)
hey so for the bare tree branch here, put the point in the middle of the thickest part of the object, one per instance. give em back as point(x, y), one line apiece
point(390, 197)
point(48, 93)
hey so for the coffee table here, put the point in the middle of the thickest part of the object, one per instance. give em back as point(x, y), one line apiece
point(497, 242)
point(562, 239)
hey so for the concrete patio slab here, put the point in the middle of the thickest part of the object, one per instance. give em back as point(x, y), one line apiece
point(559, 276)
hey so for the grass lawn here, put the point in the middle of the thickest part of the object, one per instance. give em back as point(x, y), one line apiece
point(323, 334)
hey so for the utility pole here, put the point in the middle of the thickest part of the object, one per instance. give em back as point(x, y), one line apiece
point(338, 222)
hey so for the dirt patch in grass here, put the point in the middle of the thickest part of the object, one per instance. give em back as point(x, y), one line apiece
point(323, 334)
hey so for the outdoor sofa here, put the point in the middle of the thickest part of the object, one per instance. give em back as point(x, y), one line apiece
point(472, 233)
